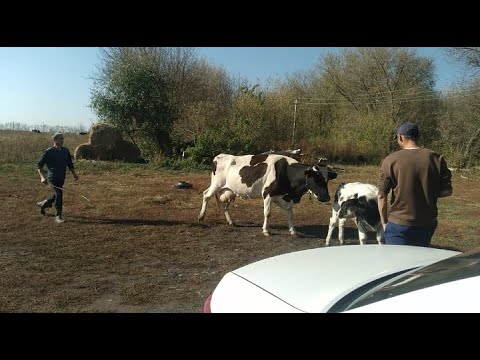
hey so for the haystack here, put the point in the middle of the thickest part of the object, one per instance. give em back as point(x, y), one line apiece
point(125, 151)
point(106, 143)
point(85, 151)
point(102, 134)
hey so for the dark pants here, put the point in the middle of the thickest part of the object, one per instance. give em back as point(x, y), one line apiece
point(56, 196)
point(409, 235)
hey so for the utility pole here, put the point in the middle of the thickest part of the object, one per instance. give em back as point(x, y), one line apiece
point(294, 121)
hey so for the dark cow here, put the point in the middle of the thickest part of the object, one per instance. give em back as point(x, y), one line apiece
point(275, 178)
point(357, 201)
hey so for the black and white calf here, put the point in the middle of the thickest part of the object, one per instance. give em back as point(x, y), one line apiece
point(357, 201)
point(275, 178)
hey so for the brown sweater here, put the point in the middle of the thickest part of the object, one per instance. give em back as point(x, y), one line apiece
point(416, 176)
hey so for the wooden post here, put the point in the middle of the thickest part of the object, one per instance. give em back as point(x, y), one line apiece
point(294, 121)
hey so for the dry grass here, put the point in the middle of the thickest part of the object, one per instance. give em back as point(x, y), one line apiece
point(24, 146)
point(137, 247)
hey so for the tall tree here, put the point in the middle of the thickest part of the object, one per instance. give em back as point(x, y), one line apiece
point(377, 89)
point(131, 92)
point(160, 97)
point(461, 120)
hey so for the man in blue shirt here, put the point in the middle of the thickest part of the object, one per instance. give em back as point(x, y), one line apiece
point(57, 158)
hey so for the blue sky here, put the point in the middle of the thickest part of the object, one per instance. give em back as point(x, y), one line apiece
point(51, 86)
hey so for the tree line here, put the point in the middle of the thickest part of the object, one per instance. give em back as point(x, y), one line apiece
point(170, 101)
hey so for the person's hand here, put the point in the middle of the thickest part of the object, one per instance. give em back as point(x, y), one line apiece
point(44, 180)
point(75, 176)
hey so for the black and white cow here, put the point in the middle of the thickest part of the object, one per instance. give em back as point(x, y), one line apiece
point(275, 178)
point(357, 201)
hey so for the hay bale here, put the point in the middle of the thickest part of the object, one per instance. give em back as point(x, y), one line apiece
point(103, 134)
point(106, 143)
point(103, 152)
point(126, 151)
point(85, 151)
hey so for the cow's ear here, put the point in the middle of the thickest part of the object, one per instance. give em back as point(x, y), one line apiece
point(355, 196)
point(332, 175)
point(309, 172)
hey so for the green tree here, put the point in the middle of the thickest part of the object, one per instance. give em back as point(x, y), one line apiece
point(131, 92)
point(460, 125)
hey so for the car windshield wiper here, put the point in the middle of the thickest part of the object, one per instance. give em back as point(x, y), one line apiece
point(352, 297)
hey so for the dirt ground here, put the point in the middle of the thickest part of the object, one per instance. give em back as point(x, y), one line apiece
point(137, 247)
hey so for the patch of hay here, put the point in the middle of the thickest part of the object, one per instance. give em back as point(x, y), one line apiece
point(105, 143)
point(85, 151)
point(103, 152)
point(102, 134)
point(126, 151)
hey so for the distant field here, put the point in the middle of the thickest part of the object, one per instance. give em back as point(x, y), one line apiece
point(138, 247)
point(22, 146)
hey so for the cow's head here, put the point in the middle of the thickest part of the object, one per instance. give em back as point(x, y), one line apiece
point(317, 181)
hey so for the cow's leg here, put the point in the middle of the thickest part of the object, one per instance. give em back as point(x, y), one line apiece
point(224, 198)
point(287, 207)
point(291, 228)
point(331, 227)
point(362, 235)
point(341, 225)
point(267, 206)
point(207, 194)
point(227, 214)
point(380, 233)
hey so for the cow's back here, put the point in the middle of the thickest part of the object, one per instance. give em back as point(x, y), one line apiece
point(247, 175)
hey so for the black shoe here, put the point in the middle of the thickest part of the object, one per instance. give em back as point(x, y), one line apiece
point(41, 206)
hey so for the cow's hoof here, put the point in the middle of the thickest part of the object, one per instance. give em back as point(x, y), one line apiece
point(294, 234)
point(231, 224)
point(266, 233)
point(200, 218)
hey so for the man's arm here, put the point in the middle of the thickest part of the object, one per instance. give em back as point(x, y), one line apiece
point(70, 165)
point(445, 179)
point(75, 176)
point(40, 163)
point(382, 209)
point(43, 179)
point(384, 187)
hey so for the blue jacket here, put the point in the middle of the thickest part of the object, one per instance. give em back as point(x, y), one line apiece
point(57, 161)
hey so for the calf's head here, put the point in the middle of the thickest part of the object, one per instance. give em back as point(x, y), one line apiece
point(348, 208)
point(317, 178)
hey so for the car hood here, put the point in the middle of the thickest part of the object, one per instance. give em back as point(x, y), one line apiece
point(313, 280)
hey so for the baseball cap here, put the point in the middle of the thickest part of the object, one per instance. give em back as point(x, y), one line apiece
point(409, 129)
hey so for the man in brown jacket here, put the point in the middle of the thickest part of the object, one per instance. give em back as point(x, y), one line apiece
point(417, 178)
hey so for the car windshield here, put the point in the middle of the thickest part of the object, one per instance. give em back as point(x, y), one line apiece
point(455, 268)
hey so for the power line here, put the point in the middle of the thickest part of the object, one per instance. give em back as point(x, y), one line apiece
point(358, 99)
point(399, 94)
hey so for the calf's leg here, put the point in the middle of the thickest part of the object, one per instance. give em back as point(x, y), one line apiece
point(341, 225)
point(331, 227)
point(380, 233)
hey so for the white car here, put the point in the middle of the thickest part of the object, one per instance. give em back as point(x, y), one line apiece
point(353, 278)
